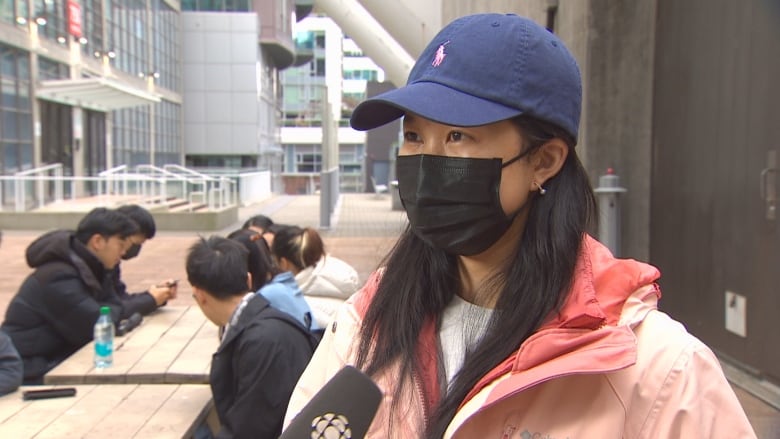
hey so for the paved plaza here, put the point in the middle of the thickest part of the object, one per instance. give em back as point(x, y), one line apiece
point(363, 231)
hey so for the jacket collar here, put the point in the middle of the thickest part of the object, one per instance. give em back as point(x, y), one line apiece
point(591, 332)
point(253, 306)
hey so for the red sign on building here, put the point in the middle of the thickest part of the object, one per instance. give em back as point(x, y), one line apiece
point(74, 18)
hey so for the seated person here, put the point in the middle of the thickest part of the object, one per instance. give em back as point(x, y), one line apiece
point(265, 227)
point(53, 313)
point(325, 280)
point(10, 362)
point(10, 365)
point(157, 295)
point(278, 287)
point(263, 351)
point(258, 223)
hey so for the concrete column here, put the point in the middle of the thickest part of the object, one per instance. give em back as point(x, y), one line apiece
point(371, 36)
point(412, 25)
point(78, 122)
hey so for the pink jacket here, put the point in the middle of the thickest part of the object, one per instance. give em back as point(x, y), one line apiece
point(608, 365)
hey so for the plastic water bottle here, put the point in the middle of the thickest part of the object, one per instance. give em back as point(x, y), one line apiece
point(104, 339)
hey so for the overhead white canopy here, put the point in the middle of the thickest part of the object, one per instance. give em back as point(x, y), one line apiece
point(101, 94)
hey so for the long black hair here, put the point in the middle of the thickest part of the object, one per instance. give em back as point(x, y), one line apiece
point(259, 260)
point(419, 281)
point(303, 247)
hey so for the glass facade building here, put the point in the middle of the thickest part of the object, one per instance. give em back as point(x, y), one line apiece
point(90, 84)
point(97, 84)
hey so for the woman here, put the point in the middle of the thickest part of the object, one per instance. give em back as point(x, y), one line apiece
point(496, 315)
point(277, 286)
point(326, 281)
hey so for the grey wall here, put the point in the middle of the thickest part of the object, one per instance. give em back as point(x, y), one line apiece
point(618, 119)
point(221, 104)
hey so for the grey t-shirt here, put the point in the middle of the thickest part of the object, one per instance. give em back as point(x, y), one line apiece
point(463, 324)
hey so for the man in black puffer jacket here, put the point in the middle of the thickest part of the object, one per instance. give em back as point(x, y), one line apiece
point(53, 313)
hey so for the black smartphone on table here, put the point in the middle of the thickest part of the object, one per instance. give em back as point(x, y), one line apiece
point(59, 392)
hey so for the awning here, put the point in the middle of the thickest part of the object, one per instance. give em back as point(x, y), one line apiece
point(101, 94)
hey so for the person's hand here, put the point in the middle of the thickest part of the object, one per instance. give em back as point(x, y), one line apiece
point(164, 291)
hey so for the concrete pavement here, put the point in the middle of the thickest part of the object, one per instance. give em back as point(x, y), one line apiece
point(363, 231)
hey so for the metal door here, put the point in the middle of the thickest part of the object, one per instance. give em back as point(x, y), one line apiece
point(716, 128)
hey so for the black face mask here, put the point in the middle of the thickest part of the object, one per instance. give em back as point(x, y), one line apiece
point(453, 202)
point(132, 252)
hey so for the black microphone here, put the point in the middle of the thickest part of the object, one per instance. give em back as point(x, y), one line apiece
point(342, 409)
point(129, 324)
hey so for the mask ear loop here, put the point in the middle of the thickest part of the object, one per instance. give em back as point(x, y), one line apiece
point(542, 190)
point(509, 162)
point(516, 158)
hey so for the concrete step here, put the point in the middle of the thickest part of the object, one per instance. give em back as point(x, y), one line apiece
point(187, 207)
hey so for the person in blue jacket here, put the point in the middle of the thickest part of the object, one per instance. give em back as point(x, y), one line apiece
point(278, 287)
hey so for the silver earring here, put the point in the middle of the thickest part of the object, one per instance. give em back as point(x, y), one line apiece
point(542, 190)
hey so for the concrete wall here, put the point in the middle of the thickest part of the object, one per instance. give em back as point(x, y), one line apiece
point(221, 104)
point(169, 221)
point(613, 43)
point(618, 119)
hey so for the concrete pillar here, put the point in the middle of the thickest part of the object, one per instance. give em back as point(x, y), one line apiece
point(371, 36)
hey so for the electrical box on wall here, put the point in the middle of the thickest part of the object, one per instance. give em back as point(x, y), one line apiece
point(736, 313)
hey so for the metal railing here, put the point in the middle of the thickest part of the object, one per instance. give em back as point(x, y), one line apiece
point(217, 191)
point(253, 185)
point(53, 170)
point(142, 184)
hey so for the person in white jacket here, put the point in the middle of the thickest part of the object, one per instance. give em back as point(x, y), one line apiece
point(326, 281)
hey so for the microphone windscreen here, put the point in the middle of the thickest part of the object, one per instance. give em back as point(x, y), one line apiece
point(342, 409)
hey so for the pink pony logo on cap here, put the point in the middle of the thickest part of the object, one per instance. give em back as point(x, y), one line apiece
point(439, 58)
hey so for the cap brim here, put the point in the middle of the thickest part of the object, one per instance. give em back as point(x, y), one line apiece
point(430, 100)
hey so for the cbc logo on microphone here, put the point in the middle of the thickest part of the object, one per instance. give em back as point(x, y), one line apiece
point(330, 426)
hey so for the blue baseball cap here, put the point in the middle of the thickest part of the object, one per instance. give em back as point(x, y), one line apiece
point(482, 69)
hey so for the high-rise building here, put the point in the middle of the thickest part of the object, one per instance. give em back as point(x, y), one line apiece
point(339, 71)
point(231, 88)
point(98, 84)
point(89, 84)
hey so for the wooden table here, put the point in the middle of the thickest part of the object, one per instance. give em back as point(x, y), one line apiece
point(108, 410)
point(173, 345)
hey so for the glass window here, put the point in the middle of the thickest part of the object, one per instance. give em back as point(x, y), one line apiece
point(49, 69)
point(25, 127)
point(11, 157)
point(318, 67)
point(7, 11)
point(8, 63)
point(27, 155)
point(319, 39)
point(23, 96)
point(9, 125)
point(15, 115)
point(8, 89)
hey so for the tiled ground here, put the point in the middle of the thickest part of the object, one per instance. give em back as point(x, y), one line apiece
point(363, 232)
